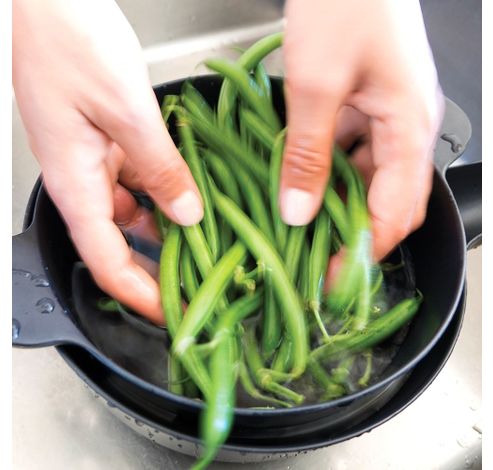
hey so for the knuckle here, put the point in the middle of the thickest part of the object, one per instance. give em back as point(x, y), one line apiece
point(305, 161)
point(127, 110)
point(301, 83)
point(130, 118)
point(168, 174)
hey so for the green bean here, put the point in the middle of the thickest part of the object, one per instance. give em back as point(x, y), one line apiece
point(337, 210)
point(199, 248)
point(188, 273)
point(218, 415)
point(196, 167)
point(262, 378)
point(190, 390)
point(249, 387)
point(175, 375)
point(248, 60)
point(362, 313)
point(257, 128)
point(284, 357)
point(280, 228)
point(365, 378)
point(223, 176)
point(216, 420)
point(263, 80)
point(304, 272)
point(271, 331)
point(229, 144)
point(331, 388)
point(285, 292)
point(252, 195)
point(199, 312)
point(197, 100)
point(317, 266)
point(242, 281)
point(354, 271)
point(376, 281)
point(377, 278)
point(108, 305)
point(201, 253)
point(169, 102)
point(376, 331)
point(162, 222)
point(237, 311)
point(248, 89)
point(207, 297)
point(294, 246)
point(341, 373)
point(169, 280)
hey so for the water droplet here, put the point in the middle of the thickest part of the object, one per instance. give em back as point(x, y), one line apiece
point(139, 423)
point(21, 272)
point(16, 328)
point(40, 281)
point(45, 305)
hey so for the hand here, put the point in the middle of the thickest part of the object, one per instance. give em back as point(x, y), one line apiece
point(93, 123)
point(360, 68)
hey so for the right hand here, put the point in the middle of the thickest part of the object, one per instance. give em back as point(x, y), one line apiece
point(95, 127)
point(361, 70)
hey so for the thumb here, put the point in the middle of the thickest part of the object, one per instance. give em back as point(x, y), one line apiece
point(307, 154)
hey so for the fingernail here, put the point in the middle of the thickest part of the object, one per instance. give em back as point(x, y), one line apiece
point(296, 206)
point(187, 209)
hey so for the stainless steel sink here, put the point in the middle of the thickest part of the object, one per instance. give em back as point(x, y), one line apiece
point(59, 424)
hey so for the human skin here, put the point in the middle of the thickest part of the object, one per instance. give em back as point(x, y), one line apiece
point(86, 101)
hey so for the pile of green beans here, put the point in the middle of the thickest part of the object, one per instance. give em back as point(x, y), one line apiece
point(243, 293)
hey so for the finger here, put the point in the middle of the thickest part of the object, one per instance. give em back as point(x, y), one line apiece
point(132, 218)
point(362, 160)
point(126, 209)
point(313, 98)
point(401, 183)
point(351, 125)
point(307, 154)
point(335, 263)
point(129, 177)
point(122, 169)
point(134, 122)
point(84, 196)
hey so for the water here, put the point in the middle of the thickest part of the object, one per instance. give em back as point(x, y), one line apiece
point(16, 328)
point(45, 305)
point(146, 355)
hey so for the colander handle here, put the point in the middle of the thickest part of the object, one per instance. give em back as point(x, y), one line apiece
point(38, 318)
